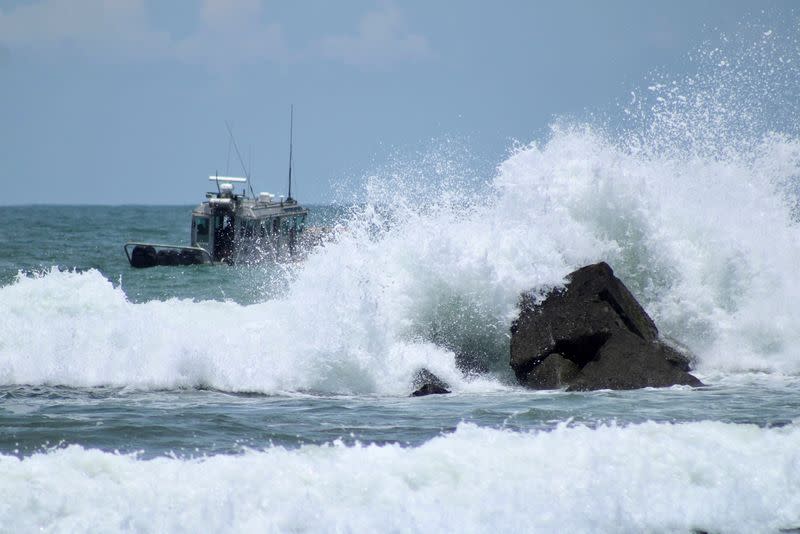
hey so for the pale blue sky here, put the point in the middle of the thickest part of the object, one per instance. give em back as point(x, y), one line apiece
point(125, 101)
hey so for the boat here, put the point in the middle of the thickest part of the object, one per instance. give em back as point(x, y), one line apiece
point(231, 228)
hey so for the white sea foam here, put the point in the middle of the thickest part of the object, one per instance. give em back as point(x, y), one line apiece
point(650, 477)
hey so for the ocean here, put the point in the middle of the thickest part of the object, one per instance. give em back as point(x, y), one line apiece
point(275, 398)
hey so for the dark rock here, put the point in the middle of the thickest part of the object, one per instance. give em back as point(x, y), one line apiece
point(680, 359)
point(423, 376)
point(593, 334)
point(430, 389)
point(427, 383)
point(554, 372)
point(626, 361)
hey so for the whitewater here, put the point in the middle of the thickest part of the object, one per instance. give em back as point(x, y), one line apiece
point(645, 477)
point(274, 398)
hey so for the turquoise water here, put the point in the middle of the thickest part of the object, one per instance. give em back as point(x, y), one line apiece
point(91, 237)
point(197, 423)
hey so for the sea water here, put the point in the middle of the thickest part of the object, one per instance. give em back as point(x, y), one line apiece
point(274, 398)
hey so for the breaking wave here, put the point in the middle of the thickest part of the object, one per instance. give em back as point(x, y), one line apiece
point(693, 201)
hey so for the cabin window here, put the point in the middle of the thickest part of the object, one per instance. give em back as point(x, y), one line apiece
point(201, 229)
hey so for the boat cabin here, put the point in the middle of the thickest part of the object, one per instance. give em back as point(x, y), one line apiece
point(235, 228)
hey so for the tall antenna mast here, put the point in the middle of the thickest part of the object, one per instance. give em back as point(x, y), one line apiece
point(239, 155)
point(291, 126)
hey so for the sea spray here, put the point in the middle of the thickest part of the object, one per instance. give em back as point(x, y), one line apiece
point(692, 200)
point(77, 329)
point(708, 246)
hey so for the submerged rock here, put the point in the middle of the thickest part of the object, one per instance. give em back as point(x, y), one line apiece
point(430, 389)
point(593, 334)
point(427, 383)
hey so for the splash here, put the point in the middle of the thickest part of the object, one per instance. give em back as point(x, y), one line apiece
point(78, 329)
point(693, 201)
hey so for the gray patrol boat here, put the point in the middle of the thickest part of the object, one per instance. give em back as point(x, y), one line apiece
point(231, 228)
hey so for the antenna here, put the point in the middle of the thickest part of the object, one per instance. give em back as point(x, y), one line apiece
point(291, 125)
point(228, 161)
point(239, 155)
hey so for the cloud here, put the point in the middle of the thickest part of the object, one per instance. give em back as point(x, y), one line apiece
point(92, 27)
point(233, 32)
point(227, 33)
point(382, 38)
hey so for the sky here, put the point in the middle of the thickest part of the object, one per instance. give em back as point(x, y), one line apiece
point(126, 101)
